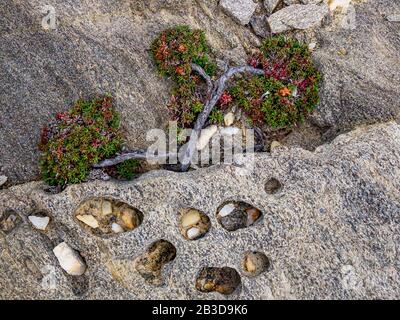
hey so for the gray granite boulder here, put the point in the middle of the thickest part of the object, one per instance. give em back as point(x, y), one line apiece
point(360, 68)
point(240, 10)
point(97, 47)
point(331, 230)
point(297, 16)
point(270, 5)
point(103, 47)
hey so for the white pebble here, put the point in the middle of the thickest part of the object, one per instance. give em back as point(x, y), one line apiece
point(229, 119)
point(312, 46)
point(39, 222)
point(89, 220)
point(205, 136)
point(190, 218)
point(230, 131)
point(391, 18)
point(193, 233)
point(116, 228)
point(275, 144)
point(226, 210)
point(69, 259)
point(333, 4)
point(106, 208)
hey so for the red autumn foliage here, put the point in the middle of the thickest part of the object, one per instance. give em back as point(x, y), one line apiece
point(225, 99)
point(182, 48)
point(254, 62)
point(284, 92)
point(180, 71)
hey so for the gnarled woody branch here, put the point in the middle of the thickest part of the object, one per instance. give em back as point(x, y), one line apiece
point(136, 154)
point(141, 154)
point(214, 93)
point(218, 90)
point(205, 76)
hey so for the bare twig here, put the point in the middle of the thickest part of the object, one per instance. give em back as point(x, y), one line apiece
point(137, 154)
point(205, 76)
point(260, 135)
point(140, 154)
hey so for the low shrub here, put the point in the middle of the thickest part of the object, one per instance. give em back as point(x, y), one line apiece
point(287, 92)
point(173, 51)
point(280, 98)
point(126, 170)
point(77, 139)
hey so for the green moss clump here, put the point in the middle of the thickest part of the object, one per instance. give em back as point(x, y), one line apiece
point(217, 117)
point(128, 169)
point(77, 139)
point(287, 92)
point(173, 52)
point(176, 48)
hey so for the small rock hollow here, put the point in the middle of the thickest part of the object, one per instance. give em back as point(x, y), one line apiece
point(102, 216)
point(151, 263)
point(193, 224)
point(237, 215)
point(9, 220)
point(79, 285)
point(273, 186)
point(254, 263)
point(223, 280)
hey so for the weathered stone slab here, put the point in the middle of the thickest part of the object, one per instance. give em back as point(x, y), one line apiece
point(330, 229)
point(240, 10)
point(98, 47)
point(298, 17)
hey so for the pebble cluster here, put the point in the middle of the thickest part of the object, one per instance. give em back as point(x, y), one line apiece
point(281, 15)
point(107, 216)
point(232, 131)
point(223, 280)
point(150, 264)
point(237, 215)
point(194, 224)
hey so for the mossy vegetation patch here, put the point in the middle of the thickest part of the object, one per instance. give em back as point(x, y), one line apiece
point(281, 98)
point(127, 170)
point(287, 92)
point(278, 92)
point(77, 139)
point(174, 50)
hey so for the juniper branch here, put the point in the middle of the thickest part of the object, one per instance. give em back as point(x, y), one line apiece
point(218, 90)
point(205, 76)
point(136, 154)
point(215, 92)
